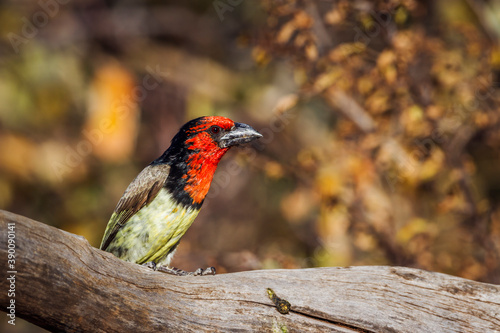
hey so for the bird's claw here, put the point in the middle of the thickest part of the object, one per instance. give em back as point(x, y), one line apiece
point(209, 271)
point(206, 271)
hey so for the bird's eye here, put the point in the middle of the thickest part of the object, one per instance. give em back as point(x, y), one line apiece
point(215, 129)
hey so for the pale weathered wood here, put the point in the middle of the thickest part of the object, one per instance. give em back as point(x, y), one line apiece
point(64, 284)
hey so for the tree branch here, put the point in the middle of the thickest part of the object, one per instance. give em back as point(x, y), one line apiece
point(64, 284)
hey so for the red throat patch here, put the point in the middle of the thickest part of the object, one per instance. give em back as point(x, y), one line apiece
point(203, 163)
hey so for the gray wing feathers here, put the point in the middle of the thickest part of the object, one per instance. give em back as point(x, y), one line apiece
point(141, 191)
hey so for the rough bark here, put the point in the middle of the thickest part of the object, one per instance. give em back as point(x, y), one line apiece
point(64, 284)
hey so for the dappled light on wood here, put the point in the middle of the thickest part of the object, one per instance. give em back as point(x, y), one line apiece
point(68, 279)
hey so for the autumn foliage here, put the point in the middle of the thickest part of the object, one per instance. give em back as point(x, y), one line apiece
point(398, 132)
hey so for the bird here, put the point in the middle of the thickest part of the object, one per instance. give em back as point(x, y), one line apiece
point(162, 202)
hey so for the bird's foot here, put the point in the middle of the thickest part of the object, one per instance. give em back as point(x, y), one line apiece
point(180, 272)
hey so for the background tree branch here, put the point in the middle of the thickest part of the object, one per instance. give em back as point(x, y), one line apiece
point(64, 284)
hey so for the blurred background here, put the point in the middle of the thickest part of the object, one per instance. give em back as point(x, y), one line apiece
point(380, 123)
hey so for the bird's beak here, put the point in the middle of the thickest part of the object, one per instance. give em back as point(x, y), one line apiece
point(239, 134)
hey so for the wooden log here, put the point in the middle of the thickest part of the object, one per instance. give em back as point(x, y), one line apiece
point(64, 284)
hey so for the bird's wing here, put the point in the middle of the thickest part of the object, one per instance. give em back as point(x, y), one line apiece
point(141, 191)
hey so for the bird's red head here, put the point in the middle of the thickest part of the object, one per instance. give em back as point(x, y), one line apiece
point(205, 133)
point(201, 143)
